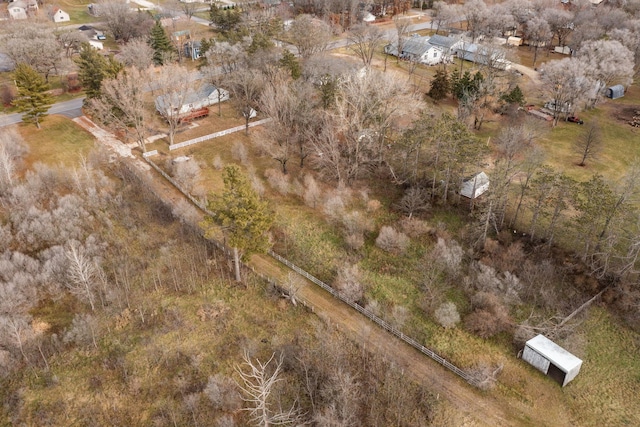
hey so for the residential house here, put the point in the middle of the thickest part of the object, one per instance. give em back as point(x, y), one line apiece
point(448, 44)
point(58, 15)
point(417, 49)
point(22, 9)
point(98, 45)
point(94, 37)
point(482, 55)
point(206, 96)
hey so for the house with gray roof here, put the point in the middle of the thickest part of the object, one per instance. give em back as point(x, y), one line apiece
point(448, 44)
point(417, 49)
point(205, 96)
point(483, 55)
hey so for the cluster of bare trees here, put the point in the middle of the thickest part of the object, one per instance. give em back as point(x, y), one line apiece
point(47, 247)
point(330, 383)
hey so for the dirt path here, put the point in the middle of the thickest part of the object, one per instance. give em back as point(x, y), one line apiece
point(474, 407)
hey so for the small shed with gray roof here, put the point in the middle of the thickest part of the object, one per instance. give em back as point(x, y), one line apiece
point(551, 359)
point(615, 92)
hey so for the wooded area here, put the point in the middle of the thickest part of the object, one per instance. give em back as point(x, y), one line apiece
point(355, 175)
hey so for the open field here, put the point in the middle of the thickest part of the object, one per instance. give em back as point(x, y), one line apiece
point(59, 142)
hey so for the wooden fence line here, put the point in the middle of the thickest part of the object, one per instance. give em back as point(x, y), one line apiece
point(216, 134)
point(368, 314)
point(382, 323)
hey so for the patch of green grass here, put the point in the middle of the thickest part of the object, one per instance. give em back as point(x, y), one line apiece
point(618, 148)
point(606, 390)
point(389, 290)
point(60, 141)
point(309, 243)
point(57, 315)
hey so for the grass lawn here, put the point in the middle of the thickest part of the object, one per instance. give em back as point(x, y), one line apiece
point(77, 10)
point(619, 147)
point(60, 141)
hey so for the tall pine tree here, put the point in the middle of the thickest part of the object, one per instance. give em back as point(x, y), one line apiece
point(33, 99)
point(94, 68)
point(161, 45)
point(440, 86)
point(243, 216)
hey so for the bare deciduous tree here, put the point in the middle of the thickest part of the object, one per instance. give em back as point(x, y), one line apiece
point(136, 53)
point(82, 273)
point(538, 33)
point(565, 84)
point(71, 41)
point(442, 14)
point(34, 44)
point(124, 23)
point(309, 35)
point(402, 26)
point(364, 41)
point(606, 62)
point(589, 143)
point(560, 22)
point(414, 200)
point(391, 240)
point(246, 87)
point(258, 385)
point(348, 283)
point(173, 84)
point(12, 149)
point(121, 104)
point(476, 14)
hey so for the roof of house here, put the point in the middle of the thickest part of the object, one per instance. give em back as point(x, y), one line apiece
point(554, 353)
point(443, 41)
point(25, 4)
point(417, 46)
point(193, 96)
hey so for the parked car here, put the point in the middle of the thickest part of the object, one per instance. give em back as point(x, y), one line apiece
point(574, 119)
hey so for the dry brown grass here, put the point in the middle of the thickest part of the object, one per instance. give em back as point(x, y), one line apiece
point(60, 141)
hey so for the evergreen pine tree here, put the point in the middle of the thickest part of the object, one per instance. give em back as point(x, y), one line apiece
point(160, 43)
point(94, 68)
point(244, 217)
point(32, 100)
point(514, 97)
point(440, 86)
point(290, 62)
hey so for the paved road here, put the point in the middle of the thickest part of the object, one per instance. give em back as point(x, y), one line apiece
point(71, 109)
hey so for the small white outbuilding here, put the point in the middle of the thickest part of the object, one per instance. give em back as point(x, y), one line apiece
point(551, 359)
point(475, 186)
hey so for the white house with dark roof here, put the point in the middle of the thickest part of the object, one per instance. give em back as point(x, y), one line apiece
point(58, 15)
point(22, 9)
point(417, 49)
point(448, 44)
